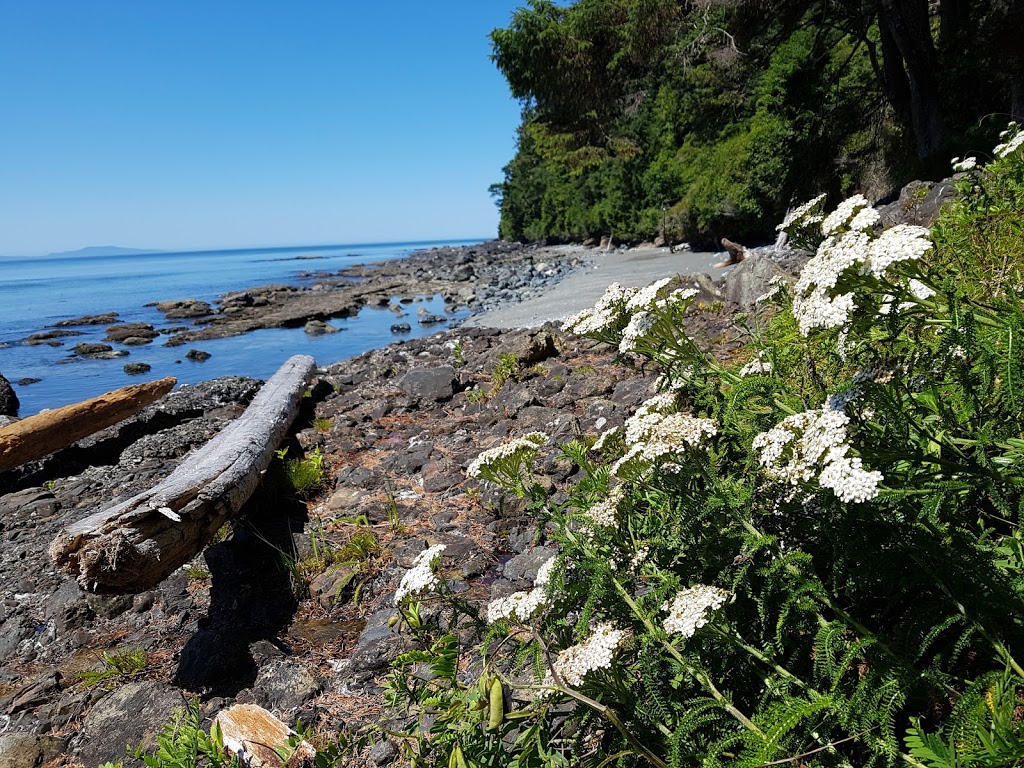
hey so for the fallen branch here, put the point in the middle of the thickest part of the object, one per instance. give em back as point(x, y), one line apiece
point(48, 432)
point(134, 545)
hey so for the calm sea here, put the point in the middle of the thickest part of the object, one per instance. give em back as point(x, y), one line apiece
point(39, 291)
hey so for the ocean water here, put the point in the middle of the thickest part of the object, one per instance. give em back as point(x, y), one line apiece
point(36, 292)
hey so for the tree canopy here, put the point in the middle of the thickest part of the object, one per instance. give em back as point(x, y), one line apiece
point(705, 118)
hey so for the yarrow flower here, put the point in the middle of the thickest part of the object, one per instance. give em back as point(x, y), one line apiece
point(655, 432)
point(638, 327)
point(608, 314)
point(604, 512)
point(800, 214)
point(688, 610)
point(421, 577)
point(644, 297)
point(1014, 138)
point(756, 366)
point(502, 465)
point(606, 437)
point(865, 220)
point(577, 661)
point(967, 164)
point(521, 606)
point(841, 216)
point(903, 242)
point(814, 445)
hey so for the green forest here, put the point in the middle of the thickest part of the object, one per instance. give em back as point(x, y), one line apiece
point(709, 118)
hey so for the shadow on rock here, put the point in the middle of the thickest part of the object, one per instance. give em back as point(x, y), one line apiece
point(251, 598)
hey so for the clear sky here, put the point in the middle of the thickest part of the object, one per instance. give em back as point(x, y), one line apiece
point(180, 124)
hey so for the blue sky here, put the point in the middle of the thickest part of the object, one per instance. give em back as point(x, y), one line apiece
point(218, 123)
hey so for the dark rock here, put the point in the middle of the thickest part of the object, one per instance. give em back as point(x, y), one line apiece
point(920, 203)
point(36, 692)
point(28, 750)
point(179, 310)
point(383, 753)
point(26, 381)
point(286, 685)
point(9, 403)
point(135, 369)
point(379, 644)
point(429, 384)
point(525, 566)
point(409, 461)
point(92, 350)
point(536, 348)
point(68, 608)
point(429, 319)
point(47, 336)
point(28, 504)
point(319, 328)
point(109, 606)
point(124, 331)
point(105, 319)
point(401, 328)
point(129, 717)
point(197, 355)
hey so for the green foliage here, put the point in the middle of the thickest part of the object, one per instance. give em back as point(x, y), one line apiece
point(817, 560)
point(116, 666)
point(506, 369)
point(305, 476)
point(697, 120)
point(322, 425)
point(183, 743)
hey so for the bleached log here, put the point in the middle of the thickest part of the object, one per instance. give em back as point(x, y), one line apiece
point(255, 735)
point(134, 545)
point(50, 431)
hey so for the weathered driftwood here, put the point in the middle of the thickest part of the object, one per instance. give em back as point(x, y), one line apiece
point(134, 545)
point(737, 253)
point(50, 431)
point(254, 734)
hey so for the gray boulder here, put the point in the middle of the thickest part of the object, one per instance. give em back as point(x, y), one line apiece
point(429, 384)
point(750, 279)
point(129, 717)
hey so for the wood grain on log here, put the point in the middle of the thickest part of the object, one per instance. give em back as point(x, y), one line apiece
point(48, 432)
point(254, 734)
point(134, 545)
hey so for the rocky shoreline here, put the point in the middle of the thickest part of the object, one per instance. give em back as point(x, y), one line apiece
point(263, 615)
point(257, 618)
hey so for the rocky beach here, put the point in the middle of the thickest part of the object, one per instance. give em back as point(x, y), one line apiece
point(291, 606)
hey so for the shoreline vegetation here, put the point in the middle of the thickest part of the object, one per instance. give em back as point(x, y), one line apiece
point(678, 530)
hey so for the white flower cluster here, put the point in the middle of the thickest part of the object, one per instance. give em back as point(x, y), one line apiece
point(967, 164)
point(605, 437)
point(799, 215)
point(757, 366)
point(777, 283)
point(638, 327)
point(841, 216)
point(1013, 138)
point(420, 577)
point(514, 453)
point(575, 662)
point(865, 220)
point(815, 303)
point(814, 444)
point(644, 297)
point(654, 436)
point(606, 313)
point(521, 606)
point(604, 512)
point(687, 611)
point(900, 243)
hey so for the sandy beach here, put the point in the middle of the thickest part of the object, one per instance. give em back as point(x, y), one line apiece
point(584, 287)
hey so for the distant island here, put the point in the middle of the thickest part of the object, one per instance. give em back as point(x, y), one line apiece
point(105, 250)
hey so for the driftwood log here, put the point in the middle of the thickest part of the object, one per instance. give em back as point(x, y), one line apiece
point(254, 734)
point(134, 545)
point(48, 432)
point(737, 253)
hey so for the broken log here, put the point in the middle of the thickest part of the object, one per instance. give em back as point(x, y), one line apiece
point(134, 545)
point(255, 735)
point(50, 431)
point(737, 253)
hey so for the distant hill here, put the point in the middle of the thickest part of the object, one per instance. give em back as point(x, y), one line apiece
point(105, 250)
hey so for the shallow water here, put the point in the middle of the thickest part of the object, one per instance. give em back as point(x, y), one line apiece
point(37, 292)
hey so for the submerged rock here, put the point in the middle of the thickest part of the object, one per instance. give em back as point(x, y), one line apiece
point(9, 403)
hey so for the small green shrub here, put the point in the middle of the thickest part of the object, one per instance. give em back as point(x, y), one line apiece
point(184, 743)
point(305, 475)
point(116, 665)
point(322, 425)
point(506, 369)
